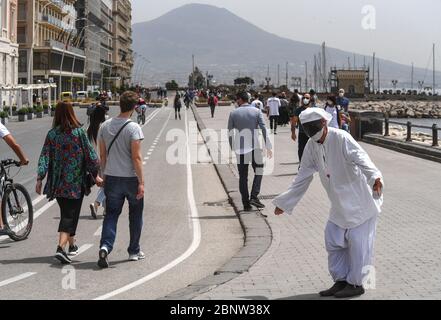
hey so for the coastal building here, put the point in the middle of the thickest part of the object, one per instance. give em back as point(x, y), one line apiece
point(95, 25)
point(355, 81)
point(122, 45)
point(49, 44)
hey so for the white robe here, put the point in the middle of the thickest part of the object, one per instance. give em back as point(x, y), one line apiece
point(347, 174)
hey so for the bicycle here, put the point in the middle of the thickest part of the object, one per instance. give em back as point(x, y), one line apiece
point(141, 118)
point(17, 209)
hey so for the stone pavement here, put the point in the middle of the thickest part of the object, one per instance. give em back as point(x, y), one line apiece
point(408, 251)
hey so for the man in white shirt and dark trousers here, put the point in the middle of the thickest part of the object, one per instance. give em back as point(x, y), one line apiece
point(243, 126)
point(354, 187)
point(273, 104)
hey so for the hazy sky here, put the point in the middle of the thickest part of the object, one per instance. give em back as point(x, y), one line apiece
point(405, 29)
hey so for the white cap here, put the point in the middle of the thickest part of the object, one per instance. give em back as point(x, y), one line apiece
point(314, 114)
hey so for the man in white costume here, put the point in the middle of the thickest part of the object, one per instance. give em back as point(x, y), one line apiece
point(355, 188)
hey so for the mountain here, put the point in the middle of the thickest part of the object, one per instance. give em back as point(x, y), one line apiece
point(225, 44)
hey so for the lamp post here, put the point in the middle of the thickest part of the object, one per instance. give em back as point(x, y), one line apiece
point(421, 85)
point(394, 83)
point(209, 78)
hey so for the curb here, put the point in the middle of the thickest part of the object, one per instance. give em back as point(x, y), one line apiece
point(257, 232)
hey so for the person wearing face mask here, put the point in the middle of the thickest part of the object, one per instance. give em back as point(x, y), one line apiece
point(302, 137)
point(354, 186)
point(334, 110)
point(342, 101)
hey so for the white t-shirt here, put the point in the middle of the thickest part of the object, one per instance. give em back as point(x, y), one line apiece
point(274, 104)
point(3, 131)
point(257, 104)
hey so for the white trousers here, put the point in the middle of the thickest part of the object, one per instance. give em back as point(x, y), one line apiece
point(350, 251)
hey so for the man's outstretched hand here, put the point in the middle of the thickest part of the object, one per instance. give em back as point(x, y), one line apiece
point(278, 212)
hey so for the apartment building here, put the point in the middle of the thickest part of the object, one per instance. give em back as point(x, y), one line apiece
point(122, 43)
point(8, 44)
point(49, 44)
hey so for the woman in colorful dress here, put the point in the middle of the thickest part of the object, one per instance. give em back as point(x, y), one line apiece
point(67, 159)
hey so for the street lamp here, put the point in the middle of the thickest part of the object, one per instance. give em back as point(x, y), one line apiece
point(209, 78)
point(267, 80)
point(394, 83)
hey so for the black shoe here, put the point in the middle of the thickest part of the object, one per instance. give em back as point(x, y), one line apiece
point(338, 286)
point(350, 291)
point(73, 250)
point(93, 211)
point(256, 202)
point(103, 262)
point(62, 256)
point(247, 207)
point(5, 232)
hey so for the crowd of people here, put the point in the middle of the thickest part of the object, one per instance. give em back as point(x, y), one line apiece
point(74, 159)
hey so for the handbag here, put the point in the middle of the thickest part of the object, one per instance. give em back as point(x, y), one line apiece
point(89, 180)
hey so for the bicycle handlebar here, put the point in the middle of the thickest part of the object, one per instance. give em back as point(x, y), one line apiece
point(10, 162)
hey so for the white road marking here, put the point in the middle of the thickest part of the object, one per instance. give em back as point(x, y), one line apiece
point(144, 163)
point(196, 232)
point(146, 158)
point(36, 215)
point(84, 248)
point(149, 153)
point(98, 232)
point(17, 278)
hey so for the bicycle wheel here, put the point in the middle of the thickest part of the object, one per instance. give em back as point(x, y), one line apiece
point(17, 211)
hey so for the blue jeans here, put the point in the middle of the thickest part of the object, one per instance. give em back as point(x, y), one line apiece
point(117, 190)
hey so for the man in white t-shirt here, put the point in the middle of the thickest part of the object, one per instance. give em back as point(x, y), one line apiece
point(273, 106)
point(10, 141)
point(257, 103)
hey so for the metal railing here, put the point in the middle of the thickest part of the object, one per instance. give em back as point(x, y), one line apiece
point(409, 127)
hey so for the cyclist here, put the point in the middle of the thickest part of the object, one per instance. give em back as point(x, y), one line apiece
point(141, 109)
point(10, 141)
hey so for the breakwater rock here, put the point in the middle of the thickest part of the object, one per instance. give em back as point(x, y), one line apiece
point(402, 109)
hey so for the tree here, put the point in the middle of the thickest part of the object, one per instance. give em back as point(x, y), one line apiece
point(243, 81)
point(198, 78)
point(172, 85)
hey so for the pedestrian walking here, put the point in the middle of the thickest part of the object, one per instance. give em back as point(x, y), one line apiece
point(97, 118)
point(257, 103)
point(69, 162)
point(243, 125)
point(119, 140)
point(177, 105)
point(334, 110)
point(273, 105)
point(212, 102)
point(295, 123)
point(342, 101)
point(283, 110)
point(355, 189)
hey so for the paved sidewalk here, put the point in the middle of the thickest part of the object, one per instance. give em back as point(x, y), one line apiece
point(408, 251)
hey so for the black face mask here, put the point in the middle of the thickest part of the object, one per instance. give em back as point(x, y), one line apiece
point(312, 128)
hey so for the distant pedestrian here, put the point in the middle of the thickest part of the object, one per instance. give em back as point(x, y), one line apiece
point(243, 125)
point(212, 102)
point(257, 103)
point(283, 110)
point(342, 101)
point(294, 103)
point(67, 159)
point(273, 105)
point(119, 140)
point(314, 98)
point(334, 110)
point(97, 118)
point(177, 105)
point(302, 138)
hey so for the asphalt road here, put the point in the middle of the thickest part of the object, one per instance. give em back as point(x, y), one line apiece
point(185, 237)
